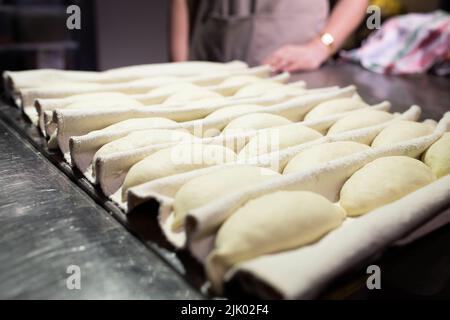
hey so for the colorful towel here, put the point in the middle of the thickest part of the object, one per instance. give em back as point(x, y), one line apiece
point(412, 43)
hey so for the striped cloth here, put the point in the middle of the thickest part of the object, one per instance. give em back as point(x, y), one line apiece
point(412, 43)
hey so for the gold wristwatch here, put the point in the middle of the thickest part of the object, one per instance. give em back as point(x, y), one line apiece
point(328, 40)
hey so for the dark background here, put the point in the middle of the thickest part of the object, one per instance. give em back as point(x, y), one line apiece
point(33, 33)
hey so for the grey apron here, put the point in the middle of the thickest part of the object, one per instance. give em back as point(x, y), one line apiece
point(250, 30)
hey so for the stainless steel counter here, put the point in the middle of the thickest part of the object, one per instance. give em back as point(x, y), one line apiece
point(47, 224)
point(50, 218)
point(429, 92)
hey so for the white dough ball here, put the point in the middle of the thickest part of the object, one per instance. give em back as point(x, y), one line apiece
point(271, 223)
point(438, 156)
point(138, 124)
point(255, 121)
point(233, 111)
point(204, 189)
point(174, 160)
point(172, 88)
point(334, 106)
point(239, 80)
point(97, 96)
point(360, 119)
point(383, 181)
point(105, 103)
point(194, 94)
point(143, 138)
point(278, 138)
point(402, 131)
point(257, 88)
point(321, 153)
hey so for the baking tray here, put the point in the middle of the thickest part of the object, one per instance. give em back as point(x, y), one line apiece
point(143, 224)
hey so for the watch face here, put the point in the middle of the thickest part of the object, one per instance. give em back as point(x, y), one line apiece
point(327, 39)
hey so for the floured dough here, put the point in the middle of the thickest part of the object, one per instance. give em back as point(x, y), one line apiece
point(105, 103)
point(402, 131)
point(383, 181)
point(155, 81)
point(200, 191)
point(322, 153)
point(286, 89)
point(278, 138)
point(193, 94)
point(239, 80)
point(172, 88)
point(138, 124)
point(140, 139)
point(177, 159)
point(275, 222)
point(438, 156)
point(360, 119)
point(257, 88)
point(75, 85)
point(233, 110)
point(96, 96)
point(255, 121)
point(335, 106)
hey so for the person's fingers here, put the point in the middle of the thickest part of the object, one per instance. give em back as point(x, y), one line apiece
point(273, 57)
point(284, 59)
point(276, 55)
point(268, 60)
point(273, 62)
point(292, 66)
point(281, 64)
point(301, 66)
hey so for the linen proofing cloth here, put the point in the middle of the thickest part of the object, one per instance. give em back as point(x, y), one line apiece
point(412, 43)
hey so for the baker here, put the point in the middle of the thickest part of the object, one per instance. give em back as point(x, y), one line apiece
point(290, 35)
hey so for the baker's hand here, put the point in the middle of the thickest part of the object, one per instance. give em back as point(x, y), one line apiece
point(292, 58)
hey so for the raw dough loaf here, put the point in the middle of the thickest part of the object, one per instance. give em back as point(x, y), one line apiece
point(360, 119)
point(255, 121)
point(194, 94)
point(153, 82)
point(172, 88)
point(438, 156)
point(402, 131)
point(278, 138)
point(383, 181)
point(233, 110)
point(286, 90)
point(74, 85)
point(138, 124)
point(322, 153)
point(335, 106)
point(257, 88)
point(140, 139)
point(177, 159)
point(105, 103)
point(275, 222)
point(201, 190)
point(160, 94)
point(239, 80)
point(88, 97)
